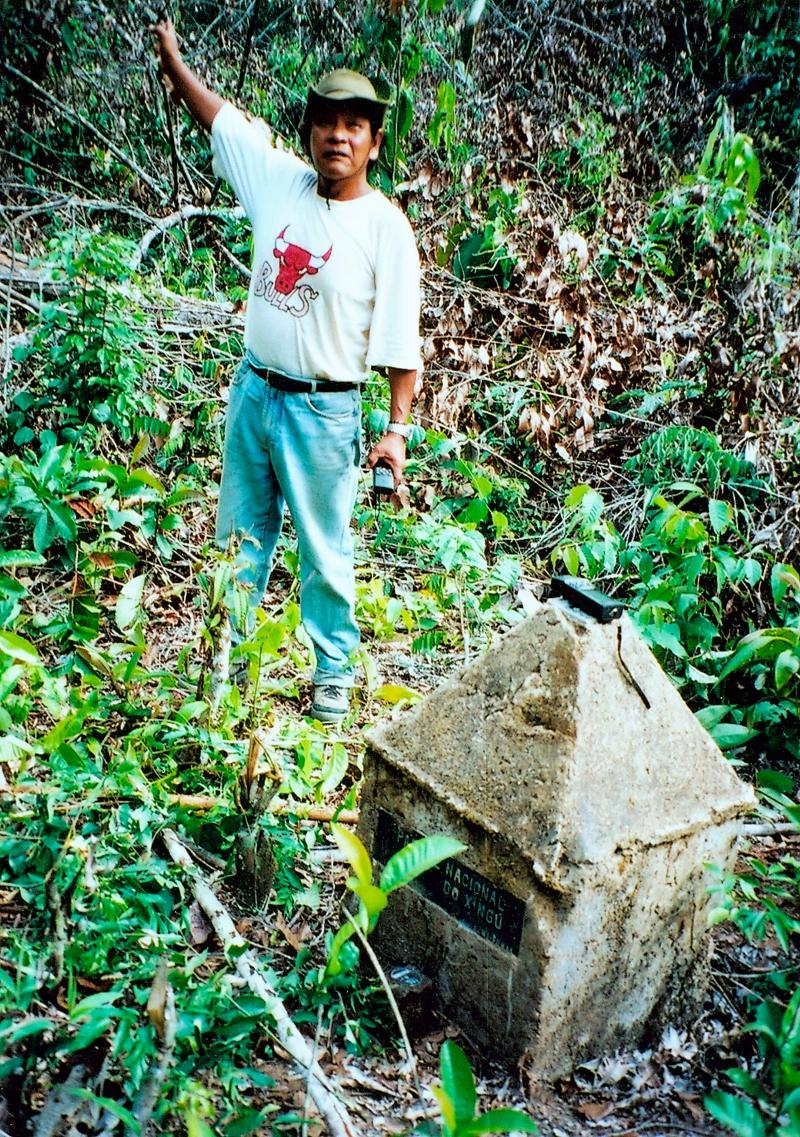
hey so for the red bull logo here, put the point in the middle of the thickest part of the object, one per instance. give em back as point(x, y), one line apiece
point(294, 263)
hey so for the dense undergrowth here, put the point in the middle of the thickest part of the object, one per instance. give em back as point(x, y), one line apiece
point(612, 341)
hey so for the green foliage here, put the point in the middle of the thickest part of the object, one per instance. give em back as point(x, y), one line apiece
point(685, 453)
point(770, 1106)
point(586, 164)
point(401, 869)
point(457, 545)
point(458, 1100)
point(758, 37)
point(711, 214)
point(680, 575)
point(88, 344)
point(764, 898)
point(481, 255)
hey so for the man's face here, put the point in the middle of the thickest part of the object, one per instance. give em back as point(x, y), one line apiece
point(342, 144)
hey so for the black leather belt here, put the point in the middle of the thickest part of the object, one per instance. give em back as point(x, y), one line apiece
point(284, 383)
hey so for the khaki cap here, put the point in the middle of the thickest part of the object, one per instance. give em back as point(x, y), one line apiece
point(343, 84)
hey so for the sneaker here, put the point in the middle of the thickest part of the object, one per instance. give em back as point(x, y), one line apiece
point(330, 703)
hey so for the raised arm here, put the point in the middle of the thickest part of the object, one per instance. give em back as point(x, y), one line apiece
point(182, 83)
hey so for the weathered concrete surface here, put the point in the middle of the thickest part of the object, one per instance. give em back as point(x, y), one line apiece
point(596, 812)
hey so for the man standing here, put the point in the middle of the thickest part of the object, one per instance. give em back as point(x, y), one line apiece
point(334, 294)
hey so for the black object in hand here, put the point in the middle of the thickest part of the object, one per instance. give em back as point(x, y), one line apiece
point(382, 480)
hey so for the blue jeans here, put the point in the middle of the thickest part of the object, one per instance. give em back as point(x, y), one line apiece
point(301, 450)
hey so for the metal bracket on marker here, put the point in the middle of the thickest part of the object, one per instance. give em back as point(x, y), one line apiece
point(580, 594)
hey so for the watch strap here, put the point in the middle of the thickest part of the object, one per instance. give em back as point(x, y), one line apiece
point(402, 428)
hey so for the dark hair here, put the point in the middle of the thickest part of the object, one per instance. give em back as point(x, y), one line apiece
point(317, 105)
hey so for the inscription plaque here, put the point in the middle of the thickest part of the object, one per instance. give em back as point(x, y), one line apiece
point(472, 899)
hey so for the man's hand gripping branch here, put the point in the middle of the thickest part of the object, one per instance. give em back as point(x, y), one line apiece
point(181, 82)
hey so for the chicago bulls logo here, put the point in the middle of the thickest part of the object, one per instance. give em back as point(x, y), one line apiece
point(295, 263)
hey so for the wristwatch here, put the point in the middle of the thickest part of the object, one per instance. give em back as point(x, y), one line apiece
point(403, 428)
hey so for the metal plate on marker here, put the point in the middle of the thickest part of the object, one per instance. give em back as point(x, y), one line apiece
point(464, 894)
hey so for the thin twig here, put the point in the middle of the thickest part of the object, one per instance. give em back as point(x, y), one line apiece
point(410, 1066)
point(123, 157)
point(248, 47)
point(316, 812)
point(332, 1110)
point(769, 829)
point(173, 148)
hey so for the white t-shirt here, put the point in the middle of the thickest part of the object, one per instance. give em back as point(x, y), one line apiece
point(334, 291)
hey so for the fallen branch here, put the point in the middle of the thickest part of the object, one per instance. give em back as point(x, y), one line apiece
point(316, 812)
point(198, 801)
point(195, 801)
point(163, 224)
point(333, 1112)
point(770, 829)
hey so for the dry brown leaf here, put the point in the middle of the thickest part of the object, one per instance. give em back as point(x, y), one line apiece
point(199, 928)
point(597, 1110)
point(82, 508)
point(573, 245)
point(295, 939)
point(157, 999)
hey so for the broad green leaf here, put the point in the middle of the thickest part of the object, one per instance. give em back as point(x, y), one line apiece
point(353, 849)
point(711, 715)
point(720, 515)
point(458, 1083)
point(373, 898)
point(335, 963)
point(392, 694)
point(727, 735)
point(792, 1100)
point(775, 780)
point(20, 558)
point(747, 648)
point(91, 1003)
point(140, 449)
point(129, 603)
point(196, 1126)
point(745, 1081)
point(24, 1030)
point(64, 520)
point(666, 636)
point(718, 916)
point(334, 769)
point(739, 1115)
point(249, 1121)
point(752, 571)
point(447, 1110)
point(145, 478)
point(576, 495)
point(41, 532)
point(500, 1121)
point(119, 517)
point(18, 648)
point(408, 863)
point(782, 579)
point(571, 558)
point(786, 665)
